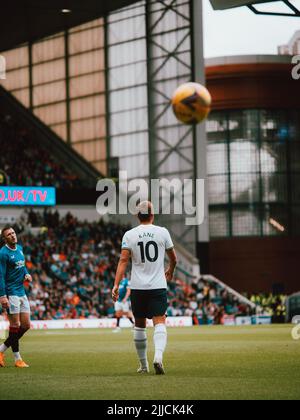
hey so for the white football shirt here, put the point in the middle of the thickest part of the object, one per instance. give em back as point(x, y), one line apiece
point(148, 245)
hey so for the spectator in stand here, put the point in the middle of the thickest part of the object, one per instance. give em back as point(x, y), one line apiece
point(35, 165)
point(73, 266)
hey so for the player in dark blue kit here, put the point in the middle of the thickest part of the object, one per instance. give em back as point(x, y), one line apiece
point(13, 273)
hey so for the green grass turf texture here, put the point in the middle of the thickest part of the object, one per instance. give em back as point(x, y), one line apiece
point(202, 363)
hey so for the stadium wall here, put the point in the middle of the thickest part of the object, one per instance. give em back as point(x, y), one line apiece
point(255, 120)
point(257, 264)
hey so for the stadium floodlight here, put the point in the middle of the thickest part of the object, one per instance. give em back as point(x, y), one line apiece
point(252, 5)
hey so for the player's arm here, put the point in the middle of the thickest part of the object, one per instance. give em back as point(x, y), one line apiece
point(122, 267)
point(172, 264)
point(27, 276)
point(171, 253)
point(3, 298)
point(128, 293)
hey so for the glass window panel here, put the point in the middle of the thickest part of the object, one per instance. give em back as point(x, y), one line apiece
point(273, 157)
point(46, 94)
point(126, 122)
point(243, 125)
point(90, 39)
point(218, 189)
point(100, 149)
point(128, 99)
point(170, 68)
point(295, 156)
point(126, 76)
point(22, 96)
point(258, 169)
point(296, 220)
point(133, 144)
point(170, 136)
point(93, 24)
point(274, 126)
point(174, 163)
point(88, 129)
point(244, 157)
point(127, 29)
point(101, 167)
point(217, 127)
point(245, 222)
point(274, 188)
point(218, 223)
point(91, 150)
point(170, 20)
point(52, 114)
point(165, 116)
point(171, 41)
point(90, 62)
point(16, 58)
point(245, 188)
point(87, 85)
point(127, 12)
point(48, 49)
point(136, 168)
point(88, 107)
point(131, 52)
point(295, 187)
point(217, 158)
point(294, 131)
point(60, 130)
point(48, 72)
point(16, 79)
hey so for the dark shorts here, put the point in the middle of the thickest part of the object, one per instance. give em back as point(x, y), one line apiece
point(149, 303)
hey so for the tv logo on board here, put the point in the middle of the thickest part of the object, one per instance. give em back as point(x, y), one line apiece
point(2, 68)
point(296, 69)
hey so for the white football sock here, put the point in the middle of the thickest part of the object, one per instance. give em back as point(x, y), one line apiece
point(140, 340)
point(17, 357)
point(3, 348)
point(160, 341)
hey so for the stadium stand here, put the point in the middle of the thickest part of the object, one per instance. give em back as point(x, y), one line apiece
point(34, 166)
point(50, 160)
point(73, 266)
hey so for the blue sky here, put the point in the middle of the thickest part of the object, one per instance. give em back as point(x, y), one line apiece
point(239, 31)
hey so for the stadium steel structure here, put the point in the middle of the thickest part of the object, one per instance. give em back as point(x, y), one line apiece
point(252, 5)
point(105, 86)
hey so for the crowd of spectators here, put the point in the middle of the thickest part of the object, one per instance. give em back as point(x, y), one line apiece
point(270, 304)
point(206, 302)
point(26, 162)
point(73, 266)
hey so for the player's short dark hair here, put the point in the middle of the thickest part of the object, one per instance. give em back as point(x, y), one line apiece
point(5, 229)
point(146, 214)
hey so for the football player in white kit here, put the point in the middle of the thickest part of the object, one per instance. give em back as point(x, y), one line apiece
point(147, 246)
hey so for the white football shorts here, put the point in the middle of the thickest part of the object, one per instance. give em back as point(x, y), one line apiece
point(18, 305)
point(122, 307)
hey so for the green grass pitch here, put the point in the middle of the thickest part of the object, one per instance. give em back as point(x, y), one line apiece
point(202, 363)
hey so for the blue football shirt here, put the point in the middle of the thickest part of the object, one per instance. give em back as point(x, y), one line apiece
point(12, 271)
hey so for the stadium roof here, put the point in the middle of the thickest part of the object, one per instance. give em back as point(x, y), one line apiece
point(29, 20)
point(277, 7)
point(229, 4)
